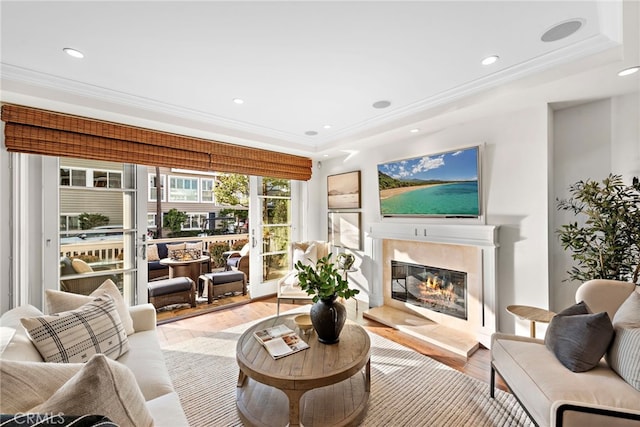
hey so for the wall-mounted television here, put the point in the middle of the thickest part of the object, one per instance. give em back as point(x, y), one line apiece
point(443, 184)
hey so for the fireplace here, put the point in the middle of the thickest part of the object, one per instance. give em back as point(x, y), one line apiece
point(446, 250)
point(434, 288)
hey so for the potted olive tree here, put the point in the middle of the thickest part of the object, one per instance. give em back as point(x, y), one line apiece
point(326, 283)
point(605, 238)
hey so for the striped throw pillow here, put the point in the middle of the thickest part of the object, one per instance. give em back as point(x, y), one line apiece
point(76, 335)
point(624, 354)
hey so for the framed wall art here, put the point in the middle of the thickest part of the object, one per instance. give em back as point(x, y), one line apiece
point(344, 229)
point(343, 190)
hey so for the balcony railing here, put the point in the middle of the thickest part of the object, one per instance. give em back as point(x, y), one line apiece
point(112, 249)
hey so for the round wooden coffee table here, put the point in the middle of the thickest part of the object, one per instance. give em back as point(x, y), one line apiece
point(322, 385)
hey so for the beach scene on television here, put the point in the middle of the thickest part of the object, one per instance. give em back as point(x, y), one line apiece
point(443, 184)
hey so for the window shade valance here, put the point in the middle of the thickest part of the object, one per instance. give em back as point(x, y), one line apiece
point(30, 130)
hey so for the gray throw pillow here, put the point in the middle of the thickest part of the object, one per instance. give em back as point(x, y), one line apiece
point(579, 339)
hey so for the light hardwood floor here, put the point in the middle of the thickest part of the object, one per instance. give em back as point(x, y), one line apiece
point(477, 366)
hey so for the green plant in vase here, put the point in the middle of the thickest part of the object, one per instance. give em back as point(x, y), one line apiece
point(326, 283)
point(605, 239)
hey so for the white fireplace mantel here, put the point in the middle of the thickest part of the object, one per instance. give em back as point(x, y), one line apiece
point(456, 234)
point(484, 237)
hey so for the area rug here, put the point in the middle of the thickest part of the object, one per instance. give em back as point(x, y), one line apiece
point(407, 388)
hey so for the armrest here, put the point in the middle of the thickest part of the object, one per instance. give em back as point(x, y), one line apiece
point(143, 316)
point(581, 413)
point(511, 337)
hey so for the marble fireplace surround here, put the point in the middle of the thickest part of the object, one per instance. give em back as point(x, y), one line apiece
point(460, 247)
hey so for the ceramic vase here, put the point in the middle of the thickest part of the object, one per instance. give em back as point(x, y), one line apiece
point(328, 317)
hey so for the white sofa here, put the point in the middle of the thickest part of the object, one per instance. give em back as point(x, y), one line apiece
point(144, 359)
point(553, 395)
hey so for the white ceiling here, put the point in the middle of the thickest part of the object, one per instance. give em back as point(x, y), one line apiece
point(297, 65)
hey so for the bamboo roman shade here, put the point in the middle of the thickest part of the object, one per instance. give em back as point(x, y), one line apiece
point(30, 130)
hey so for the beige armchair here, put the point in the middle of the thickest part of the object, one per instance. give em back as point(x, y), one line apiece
point(307, 252)
point(83, 285)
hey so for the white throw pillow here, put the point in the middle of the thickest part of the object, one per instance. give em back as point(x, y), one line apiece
point(307, 253)
point(196, 245)
point(245, 250)
point(104, 387)
point(58, 301)
point(76, 335)
point(152, 253)
point(176, 247)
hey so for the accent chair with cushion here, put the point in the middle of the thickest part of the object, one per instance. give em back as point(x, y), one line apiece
point(82, 285)
point(308, 253)
point(239, 261)
point(564, 380)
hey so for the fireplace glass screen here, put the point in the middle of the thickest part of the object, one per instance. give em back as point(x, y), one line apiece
point(437, 289)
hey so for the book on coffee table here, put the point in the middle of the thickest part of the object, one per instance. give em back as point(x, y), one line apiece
point(280, 341)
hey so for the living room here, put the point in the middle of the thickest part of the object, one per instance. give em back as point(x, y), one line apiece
point(579, 120)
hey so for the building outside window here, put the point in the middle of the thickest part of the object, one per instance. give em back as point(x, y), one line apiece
point(207, 190)
point(69, 222)
point(151, 220)
point(107, 179)
point(194, 221)
point(182, 189)
point(73, 177)
point(153, 188)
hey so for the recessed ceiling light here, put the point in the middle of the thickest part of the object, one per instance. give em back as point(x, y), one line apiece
point(490, 59)
point(628, 71)
point(325, 155)
point(327, 126)
point(73, 52)
point(416, 130)
point(238, 100)
point(381, 104)
point(562, 30)
point(311, 133)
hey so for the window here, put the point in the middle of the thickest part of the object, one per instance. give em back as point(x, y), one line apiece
point(151, 220)
point(183, 189)
point(194, 221)
point(207, 190)
point(153, 188)
point(69, 222)
point(107, 179)
point(73, 177)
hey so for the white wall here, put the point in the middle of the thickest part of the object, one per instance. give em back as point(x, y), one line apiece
point(590, 141)
point(515, 191)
